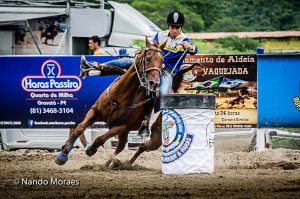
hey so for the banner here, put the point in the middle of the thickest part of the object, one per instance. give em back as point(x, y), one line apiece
point(44, 91)
point(279, 91)
point(233, 79)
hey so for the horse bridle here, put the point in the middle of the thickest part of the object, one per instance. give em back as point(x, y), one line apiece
point(130, 108)
point(143, 59)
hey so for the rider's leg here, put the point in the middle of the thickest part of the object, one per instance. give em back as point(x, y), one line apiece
point(166, 86)
point(113, 67)
point(144, 129)
point(123, 63)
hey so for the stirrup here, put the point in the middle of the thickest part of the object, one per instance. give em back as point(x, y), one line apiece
point(82, 62)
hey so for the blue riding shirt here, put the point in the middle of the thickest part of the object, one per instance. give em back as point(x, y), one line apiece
point(173, 50)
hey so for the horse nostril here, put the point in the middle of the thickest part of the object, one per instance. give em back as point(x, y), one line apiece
point(151, 82)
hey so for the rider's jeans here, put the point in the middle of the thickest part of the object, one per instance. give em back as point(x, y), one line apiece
point(124, 62)
point(166, 81)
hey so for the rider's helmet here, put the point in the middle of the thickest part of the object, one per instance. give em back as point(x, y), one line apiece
point(175, 18)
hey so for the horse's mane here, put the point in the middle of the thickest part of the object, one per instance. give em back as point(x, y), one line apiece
point(179, 77)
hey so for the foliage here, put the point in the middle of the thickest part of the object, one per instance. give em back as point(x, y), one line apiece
point(281, 45)
point(158, 10)
point(224, 15)
point(240, 44)
point(138, 43)
point(286, 143)
point(205, 47)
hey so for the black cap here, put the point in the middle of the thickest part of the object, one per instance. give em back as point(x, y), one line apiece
point(175, 18)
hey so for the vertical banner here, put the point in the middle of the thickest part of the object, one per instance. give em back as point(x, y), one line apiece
point(233, 79)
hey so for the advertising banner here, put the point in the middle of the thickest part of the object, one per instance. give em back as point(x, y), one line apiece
point(279, 91)
point(233, 79)
point(43, 92)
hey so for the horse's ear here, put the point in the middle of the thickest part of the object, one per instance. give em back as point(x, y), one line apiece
point(147, 42)
point(162, 46)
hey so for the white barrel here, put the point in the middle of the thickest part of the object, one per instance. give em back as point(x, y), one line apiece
point(187, 133)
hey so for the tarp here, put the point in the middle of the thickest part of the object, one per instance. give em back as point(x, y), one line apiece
point(15, 14)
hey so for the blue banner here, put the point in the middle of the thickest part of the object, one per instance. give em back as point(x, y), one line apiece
point(45, 91)
point(279, 90)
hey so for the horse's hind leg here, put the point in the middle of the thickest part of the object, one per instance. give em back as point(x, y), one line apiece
point(90, 118)
point(150, 144)
point(92, 149)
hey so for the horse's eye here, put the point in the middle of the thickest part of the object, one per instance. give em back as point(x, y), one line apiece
point(147, 59)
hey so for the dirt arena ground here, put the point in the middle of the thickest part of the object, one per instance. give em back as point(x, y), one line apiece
point(270, 174)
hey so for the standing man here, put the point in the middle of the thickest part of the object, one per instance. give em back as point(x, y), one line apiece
point(94, 45)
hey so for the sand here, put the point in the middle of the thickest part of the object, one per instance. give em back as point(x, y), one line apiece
point(268, 174)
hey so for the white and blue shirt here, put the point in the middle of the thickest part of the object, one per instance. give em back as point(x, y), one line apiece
point(173, 50)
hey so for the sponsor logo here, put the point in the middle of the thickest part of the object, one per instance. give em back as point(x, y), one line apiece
point(51, 80)
point(30, 122)
point(176, 141)
point(175, 17)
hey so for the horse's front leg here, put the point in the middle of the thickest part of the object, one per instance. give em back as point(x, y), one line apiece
point(150, 144)
point(90, 118)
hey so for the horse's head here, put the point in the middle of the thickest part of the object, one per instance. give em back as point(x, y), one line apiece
point(150, 65)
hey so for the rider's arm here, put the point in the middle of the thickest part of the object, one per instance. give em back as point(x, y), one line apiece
point(193, 49)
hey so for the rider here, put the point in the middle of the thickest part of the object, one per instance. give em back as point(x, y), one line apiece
point(177, 46)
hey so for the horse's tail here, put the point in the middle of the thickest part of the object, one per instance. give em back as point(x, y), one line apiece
point(179, 76)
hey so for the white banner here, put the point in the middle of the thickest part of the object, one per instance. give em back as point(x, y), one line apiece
point(187, 141)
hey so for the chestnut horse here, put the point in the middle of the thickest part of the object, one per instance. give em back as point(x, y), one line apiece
point(123, 106)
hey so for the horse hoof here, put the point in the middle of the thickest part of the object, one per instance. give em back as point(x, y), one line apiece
point(61, 158)
point(127, 163)
point(90, 151)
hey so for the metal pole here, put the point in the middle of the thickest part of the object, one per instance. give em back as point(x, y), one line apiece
point(60, 43)
point(27, 24)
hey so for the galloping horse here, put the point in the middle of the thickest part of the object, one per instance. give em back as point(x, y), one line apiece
point(124, 104)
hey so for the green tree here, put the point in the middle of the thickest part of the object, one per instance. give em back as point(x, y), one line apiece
point(158, 10)
point(239, 44)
